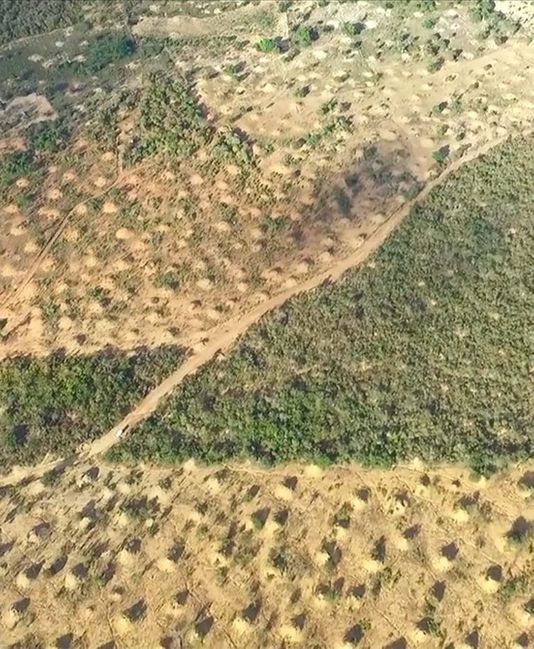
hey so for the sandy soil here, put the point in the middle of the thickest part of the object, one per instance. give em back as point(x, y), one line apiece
point(26, 110)
point(241, 557)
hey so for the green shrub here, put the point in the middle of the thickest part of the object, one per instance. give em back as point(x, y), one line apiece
point(229, 145)
point(435, 65)
point(329, 106)
point(302, 91)
point(352, 29)
point(441, 155)
point(232, 70)
point(483, 9)
point(269, 45)
point(426, 5)
point(16, 165)
point(430, 22)
point(172, 279)
point(303, 36)
point(48, 136)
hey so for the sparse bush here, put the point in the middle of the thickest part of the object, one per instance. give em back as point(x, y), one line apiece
point(435, 65)
point(430, 22)
point(336, 125)
point(441, 155)
point(483, 9)
point(302, 91)
point(494, 22)
point(352, 29)
point(426, 5)
point(456, 106)
point(230, 146)
point(329, 106)
point(232, 70)
point(51, 478)
point(172, 279)
point(439, 108)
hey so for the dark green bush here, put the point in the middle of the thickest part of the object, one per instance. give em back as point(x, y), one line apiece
point(19, 18)
point(51, 405)
point(107, 49)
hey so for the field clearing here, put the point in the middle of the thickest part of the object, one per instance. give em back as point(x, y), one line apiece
point(28, 412)
point(236, 557)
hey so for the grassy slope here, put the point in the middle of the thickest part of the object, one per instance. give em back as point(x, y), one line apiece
point(426, 351)
point(53, 404)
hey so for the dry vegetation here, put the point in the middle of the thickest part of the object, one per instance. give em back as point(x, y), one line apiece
point(236, 558)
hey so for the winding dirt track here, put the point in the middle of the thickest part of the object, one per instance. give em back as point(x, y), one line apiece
point(221, 338)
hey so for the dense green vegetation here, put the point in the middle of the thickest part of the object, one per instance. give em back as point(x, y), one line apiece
point(48, 136)
point(19, 18)
point(103, 51)
point(15, 165)
point(425, 351)
point(53, 404)
point(107, 49)
point(171, 120)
